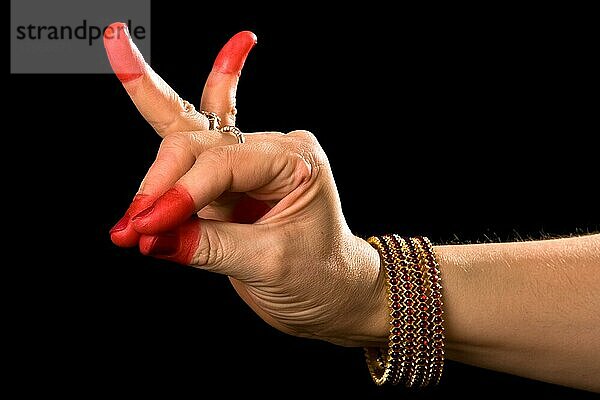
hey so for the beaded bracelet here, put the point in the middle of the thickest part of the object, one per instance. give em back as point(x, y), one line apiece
point(415, 352)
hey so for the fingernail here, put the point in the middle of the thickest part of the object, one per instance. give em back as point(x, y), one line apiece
point(144, 213)
point(139, 203)
point(121, 225)
point(126, 60)
point(233, 55)
point(164, 245)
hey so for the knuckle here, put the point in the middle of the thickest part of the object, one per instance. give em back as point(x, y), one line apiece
point(303, 168)
point(176, 141)
point(187, 108)
point(306, 135)
point(210, 254)
point(193, 142)
point(309, 157)
point(183, 111)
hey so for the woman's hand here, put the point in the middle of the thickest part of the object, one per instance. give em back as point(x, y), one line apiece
point(299, 267)
point(167, 112)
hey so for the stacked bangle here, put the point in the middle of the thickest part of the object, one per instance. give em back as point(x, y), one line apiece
point(415, 352)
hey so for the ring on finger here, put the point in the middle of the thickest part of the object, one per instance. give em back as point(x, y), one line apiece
point(235, 131)
point(214, 121)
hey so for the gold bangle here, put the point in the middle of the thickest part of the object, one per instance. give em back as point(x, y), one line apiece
point(414, 355)
point(381, 361)
point(437, 319)
point(404, 319)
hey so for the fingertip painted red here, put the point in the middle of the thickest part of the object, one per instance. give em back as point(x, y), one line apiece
point(121, 225)
point(168, 211)
point(179, 245)
point(123, 234)
point(233, 55)
point(159, 246)
point(125, 59)
point(140, 202)
point(144, 213)
point(126, 238)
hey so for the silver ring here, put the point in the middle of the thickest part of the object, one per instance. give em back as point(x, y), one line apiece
point(235, 131)
point(214, 121)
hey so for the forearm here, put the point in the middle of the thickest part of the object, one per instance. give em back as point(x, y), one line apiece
point(527, 308)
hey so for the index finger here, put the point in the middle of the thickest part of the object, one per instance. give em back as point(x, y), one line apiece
point(158, 103)
point(266, 171)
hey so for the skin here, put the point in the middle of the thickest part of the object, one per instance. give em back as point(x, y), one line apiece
point(526, 308)
point(168, 113)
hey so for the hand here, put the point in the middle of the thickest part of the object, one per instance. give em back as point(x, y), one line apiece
point(164, 109)
point(298, 267)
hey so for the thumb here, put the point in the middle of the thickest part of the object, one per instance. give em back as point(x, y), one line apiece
point(243, 251)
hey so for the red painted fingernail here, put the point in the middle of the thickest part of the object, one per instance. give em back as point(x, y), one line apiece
point(139, 203)
point(162, 246)
point(123, 234)
point(126, 60)
point(143, 213)
point(233, 55)
point(121, 225)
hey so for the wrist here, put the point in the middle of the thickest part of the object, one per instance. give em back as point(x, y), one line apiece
point(371, 321)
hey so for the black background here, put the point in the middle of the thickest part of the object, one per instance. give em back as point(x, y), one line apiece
point(461, 124)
